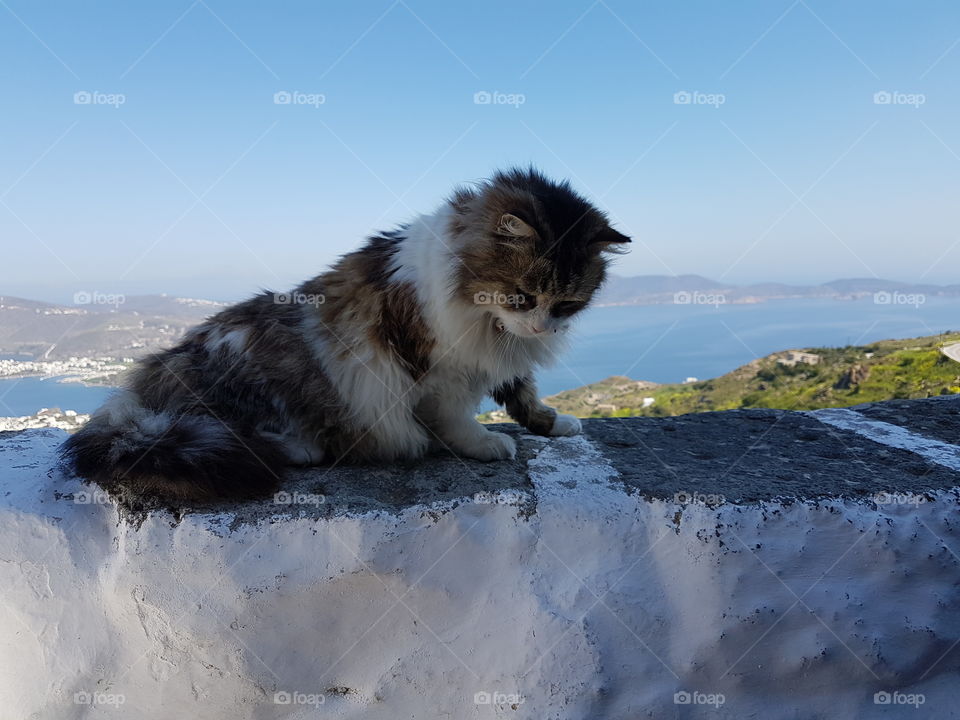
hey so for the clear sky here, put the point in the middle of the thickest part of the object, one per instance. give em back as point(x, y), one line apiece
point(782, 166)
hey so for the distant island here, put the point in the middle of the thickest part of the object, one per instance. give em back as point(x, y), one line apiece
point(695, 289)
point(805, 379)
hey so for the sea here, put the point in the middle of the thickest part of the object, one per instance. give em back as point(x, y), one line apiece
point(660, 343)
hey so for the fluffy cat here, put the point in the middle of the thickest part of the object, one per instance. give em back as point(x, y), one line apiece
point(383, 356)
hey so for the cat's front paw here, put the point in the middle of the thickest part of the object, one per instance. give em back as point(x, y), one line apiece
point(491, 446)
point(565, 425)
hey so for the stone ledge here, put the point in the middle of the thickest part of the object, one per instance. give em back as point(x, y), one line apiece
point(808, 562)
point(741, 456)
point(755, 455)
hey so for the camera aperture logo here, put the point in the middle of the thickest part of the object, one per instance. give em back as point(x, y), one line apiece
point(98, 698)
point(295, 97)
point(686, 697)
point(299, 498)
point(498, 298)
point(883, 297)
point(685, 497)
point(498, 698)
point(95, 97)
point(697, 297)
point(91, 497)
point(695, 97)
point(285, 697)
point(483, 97)
point(894, 97)
point(899, 698)
point(500, 497)
point(298, 298)
point(95, 297)
point(895, 498)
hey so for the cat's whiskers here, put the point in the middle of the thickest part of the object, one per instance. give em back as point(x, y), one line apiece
point(503, 351)
point(500, 343)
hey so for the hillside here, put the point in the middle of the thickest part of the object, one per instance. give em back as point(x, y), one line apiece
point(97, 325)
point(840, 377)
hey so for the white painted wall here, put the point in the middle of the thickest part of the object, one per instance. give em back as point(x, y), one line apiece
point(600, 605)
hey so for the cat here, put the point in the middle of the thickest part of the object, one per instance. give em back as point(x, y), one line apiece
point(380, 358)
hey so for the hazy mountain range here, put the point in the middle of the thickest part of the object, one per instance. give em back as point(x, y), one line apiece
point(100, 325)
point(690, 289)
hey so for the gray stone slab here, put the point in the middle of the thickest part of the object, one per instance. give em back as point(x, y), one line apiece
point(753, 455)
point(938, 418)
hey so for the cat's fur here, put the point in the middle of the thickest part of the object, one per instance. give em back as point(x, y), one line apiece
point(378, 359)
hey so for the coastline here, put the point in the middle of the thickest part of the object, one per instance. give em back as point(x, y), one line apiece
point(89, 372)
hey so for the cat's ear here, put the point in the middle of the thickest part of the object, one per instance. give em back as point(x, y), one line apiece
point(512, 226)
point(609, 240)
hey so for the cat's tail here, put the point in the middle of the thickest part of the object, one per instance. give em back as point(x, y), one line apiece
point(176, 457)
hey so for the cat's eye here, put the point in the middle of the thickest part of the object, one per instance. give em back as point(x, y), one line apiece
point(566, 308)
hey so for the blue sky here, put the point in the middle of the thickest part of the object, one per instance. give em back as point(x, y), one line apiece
point(781, 167)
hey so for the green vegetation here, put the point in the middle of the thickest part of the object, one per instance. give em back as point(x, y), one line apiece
point(836, 377)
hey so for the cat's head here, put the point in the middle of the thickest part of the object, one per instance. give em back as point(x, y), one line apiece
point(532, 252)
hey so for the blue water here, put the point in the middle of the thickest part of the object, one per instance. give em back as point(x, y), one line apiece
point(669, 343)
point(661, 343)
point(24, 396)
